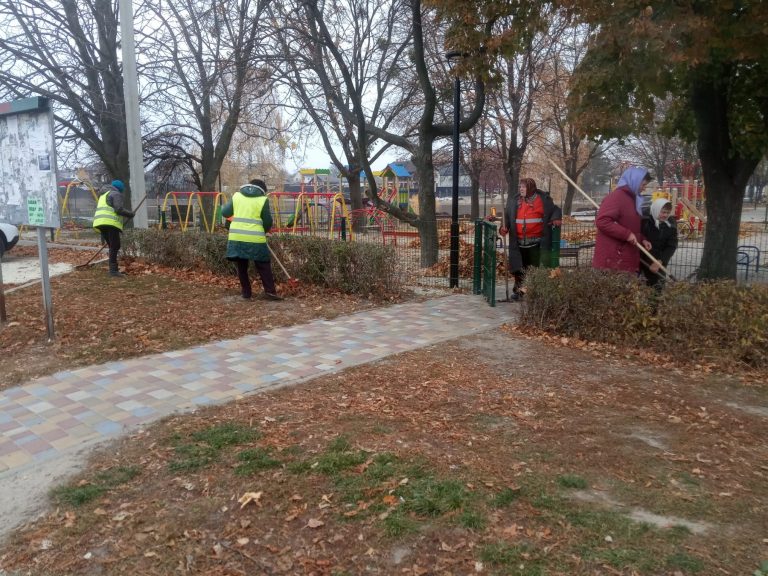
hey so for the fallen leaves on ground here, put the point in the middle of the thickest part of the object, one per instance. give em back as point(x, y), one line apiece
point(497, 414)
point(153, 309)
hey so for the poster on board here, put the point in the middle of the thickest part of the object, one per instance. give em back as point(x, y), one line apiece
point(28, 193)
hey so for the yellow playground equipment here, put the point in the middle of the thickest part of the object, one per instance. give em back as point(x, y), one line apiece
point(311, 213)
point(67, 210)
point(315, 180)
point(192, 202)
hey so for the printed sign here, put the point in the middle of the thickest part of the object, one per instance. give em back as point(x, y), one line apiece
point(35, 211)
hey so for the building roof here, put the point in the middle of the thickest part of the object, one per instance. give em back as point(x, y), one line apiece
point(398, 170)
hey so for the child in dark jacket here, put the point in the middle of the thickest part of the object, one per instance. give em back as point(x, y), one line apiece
point(660, 229)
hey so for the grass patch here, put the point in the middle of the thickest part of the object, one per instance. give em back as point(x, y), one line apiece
point(332, 463)
point(223, 435)
point(398, 524)
point(382, 429)
point(207, 445)
point(505, 498)
point(255, 460)
point(432, 497)
point(572, 481)
point(685, 562)
point(688, 479)
point(102, 482)
point(518, 558)
point(299, 467)
point(472, 519)
point(638, 559)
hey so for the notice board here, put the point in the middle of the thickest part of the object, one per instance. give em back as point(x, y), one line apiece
point(28, 193)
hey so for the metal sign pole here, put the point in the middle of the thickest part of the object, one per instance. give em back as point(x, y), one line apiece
point(42, 249)
point(3, 314)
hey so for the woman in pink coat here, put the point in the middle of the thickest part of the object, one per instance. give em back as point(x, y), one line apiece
point(618, 224)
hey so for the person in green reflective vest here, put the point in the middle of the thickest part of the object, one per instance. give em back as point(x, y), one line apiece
point(250, 220)
point(108, 220)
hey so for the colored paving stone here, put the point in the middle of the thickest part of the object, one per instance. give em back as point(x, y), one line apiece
point(73, 409)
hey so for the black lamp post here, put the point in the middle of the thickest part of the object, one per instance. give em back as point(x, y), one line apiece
point(453, 281)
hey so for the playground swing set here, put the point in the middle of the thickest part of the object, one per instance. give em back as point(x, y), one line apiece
point(395, 190)
point(67, 218)
point(192, 203)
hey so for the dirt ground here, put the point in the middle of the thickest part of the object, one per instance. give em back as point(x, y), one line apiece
point(154, 309)
point(496, 454)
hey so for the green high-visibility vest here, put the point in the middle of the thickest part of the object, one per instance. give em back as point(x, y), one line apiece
point(105, 215)
point(246, 223)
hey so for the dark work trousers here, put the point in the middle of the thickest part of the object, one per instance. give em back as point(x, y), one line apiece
point(531, 256)
point(265, 273)
point(111, 236)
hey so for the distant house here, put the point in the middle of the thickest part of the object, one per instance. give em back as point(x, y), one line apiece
point(444, 182)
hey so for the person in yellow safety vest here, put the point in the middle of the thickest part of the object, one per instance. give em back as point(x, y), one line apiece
point(247, 241)
point(109, 220)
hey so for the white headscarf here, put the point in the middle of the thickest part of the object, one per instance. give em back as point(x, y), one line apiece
point(656, 207)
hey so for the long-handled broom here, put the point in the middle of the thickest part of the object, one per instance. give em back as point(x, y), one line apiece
point(504, 249)
point(292, 282)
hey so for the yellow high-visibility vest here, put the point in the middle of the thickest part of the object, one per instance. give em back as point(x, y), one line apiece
point(246, 223)
point(105, 215)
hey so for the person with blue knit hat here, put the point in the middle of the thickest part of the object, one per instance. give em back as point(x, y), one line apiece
point(108, 220)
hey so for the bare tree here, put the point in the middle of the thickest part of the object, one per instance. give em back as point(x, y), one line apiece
point(206, 78)
point(417, 137)
point(67, 51)
point(567, 140)
point(515, 102)
point(372, 53)
point(667, 155)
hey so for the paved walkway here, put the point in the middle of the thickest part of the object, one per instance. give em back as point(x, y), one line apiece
point(49, 418)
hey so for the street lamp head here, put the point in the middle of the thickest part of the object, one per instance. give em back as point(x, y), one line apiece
point(451, 54)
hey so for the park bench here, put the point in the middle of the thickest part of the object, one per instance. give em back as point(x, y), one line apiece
point(573, 251)
point(747, 255)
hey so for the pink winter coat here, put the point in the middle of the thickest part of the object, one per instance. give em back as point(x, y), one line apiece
point(616, 219)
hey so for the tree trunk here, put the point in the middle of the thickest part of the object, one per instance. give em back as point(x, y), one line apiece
point(512, 171)
point(356, 199)
point(725, 172)
point(427, 222)
point(724, 203)
point(475, 206)
point(570, 192)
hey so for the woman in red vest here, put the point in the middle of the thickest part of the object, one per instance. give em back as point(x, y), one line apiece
point(531, 214)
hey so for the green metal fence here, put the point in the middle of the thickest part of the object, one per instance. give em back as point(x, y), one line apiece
point(484, 273)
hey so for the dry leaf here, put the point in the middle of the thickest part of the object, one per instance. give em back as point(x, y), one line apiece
point(315, 523)
point(249, 497)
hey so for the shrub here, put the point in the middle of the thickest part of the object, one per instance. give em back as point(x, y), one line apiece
point(353, 268)
point(590, 304)
point(719, 322)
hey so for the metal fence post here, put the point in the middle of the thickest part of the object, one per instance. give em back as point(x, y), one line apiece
point(477, 265)
point(555, 248)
